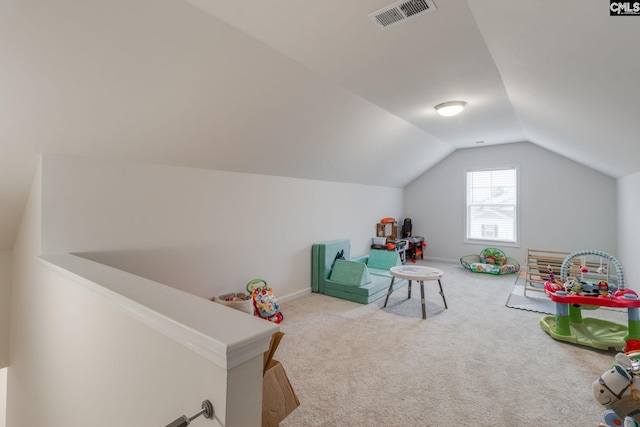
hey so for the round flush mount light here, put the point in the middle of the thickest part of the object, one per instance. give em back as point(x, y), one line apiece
point(451, 108)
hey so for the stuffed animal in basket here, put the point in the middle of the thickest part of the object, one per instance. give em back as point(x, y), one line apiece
point(615, 391)
point(264, 302)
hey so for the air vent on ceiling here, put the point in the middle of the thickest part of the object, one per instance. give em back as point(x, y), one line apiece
point(401, 11)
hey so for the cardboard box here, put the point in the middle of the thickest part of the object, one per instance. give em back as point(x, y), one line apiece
point(278, 397)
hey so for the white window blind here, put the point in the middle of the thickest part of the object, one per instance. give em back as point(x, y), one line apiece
point(492, 205)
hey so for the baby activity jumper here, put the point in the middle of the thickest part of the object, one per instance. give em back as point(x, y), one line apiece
point(590, 286)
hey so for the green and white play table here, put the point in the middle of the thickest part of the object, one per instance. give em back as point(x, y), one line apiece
point(418, 273)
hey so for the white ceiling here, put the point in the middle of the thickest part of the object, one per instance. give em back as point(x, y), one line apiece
point(312, 90)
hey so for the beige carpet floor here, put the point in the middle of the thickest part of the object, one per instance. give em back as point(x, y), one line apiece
point(479, 363)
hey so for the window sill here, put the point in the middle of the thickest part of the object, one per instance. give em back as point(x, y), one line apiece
point(486, 243)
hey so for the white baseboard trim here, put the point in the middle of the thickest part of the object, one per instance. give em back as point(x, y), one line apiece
point(295, 295)
point(454, 261)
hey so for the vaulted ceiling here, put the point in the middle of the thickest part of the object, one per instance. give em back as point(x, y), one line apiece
point(312, 90)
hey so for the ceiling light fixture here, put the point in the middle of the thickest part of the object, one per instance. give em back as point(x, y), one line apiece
point(449, 109)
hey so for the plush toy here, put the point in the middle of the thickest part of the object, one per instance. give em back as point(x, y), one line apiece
point(615, 391)
point(264, 302)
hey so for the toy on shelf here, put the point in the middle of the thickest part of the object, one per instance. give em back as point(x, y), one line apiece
point(616, 391)
point(591, 290)
point(387, 228)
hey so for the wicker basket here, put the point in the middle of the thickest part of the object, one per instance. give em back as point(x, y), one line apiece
point(239, 301)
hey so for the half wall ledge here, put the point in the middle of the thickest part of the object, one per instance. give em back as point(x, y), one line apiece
point(220, 334)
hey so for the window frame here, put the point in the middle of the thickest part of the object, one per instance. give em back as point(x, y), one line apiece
point(466, 206)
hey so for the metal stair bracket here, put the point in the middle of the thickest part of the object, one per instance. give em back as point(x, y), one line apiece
point(207, 411)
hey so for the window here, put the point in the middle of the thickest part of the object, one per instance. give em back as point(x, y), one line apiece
point(489, 230)
point(491, 213)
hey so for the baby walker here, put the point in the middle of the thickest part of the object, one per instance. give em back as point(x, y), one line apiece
point(265, 304)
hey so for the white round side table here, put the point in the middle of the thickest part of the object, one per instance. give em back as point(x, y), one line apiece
point(418, 273)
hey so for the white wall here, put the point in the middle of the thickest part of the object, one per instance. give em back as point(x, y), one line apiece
point(88, 363)
point(5, 319)
point(5, 307)
point(201, 231)
point(629, 227)
point(206, 232)
point(564, 206)
point(27, 245)
point(83, 361)
point(3, 397)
